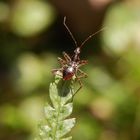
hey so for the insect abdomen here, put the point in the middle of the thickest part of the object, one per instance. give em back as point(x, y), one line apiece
point(68, 73)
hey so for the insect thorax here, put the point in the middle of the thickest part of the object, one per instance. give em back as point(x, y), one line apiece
point(69, 71)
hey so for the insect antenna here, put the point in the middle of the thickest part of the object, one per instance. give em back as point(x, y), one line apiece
point(91, 36)
point(64, 22)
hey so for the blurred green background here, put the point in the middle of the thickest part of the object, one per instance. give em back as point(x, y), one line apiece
point(32, 36)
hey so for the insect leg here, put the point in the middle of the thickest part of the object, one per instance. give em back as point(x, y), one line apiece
point(82, 74)
point(82, 62)
point(67, 57)
point(81, 85)
point(61, 61)
point(78, 78)
point(55, 71)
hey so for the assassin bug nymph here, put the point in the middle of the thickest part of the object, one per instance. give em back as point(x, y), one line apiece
point(70, 65)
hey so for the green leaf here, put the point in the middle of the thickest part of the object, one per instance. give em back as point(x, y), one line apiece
point(65, 111)
point(60, 91)
point(57, 125)
point(50, 114)
point(64, 127)
point(45, 132)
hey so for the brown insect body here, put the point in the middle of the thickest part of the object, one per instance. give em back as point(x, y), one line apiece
point(71, 68)
point(68, 73)
point(70, 65)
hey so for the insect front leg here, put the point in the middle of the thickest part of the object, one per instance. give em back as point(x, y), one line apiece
point(62, 61)
point(67, 57)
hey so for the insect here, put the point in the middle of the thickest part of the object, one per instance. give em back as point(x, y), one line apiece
point(70, 66)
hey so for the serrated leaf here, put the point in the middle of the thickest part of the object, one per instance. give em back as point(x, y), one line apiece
point(64, 127)
point(65, 90)
point(61, 93)
point(45, 132)
point(54, 95)
point(50, 112)
point(65, 111)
